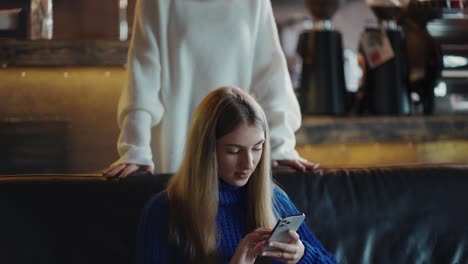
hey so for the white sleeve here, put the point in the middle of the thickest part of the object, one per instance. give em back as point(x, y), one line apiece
point(144, 69)
point(134, 140)
point(272, 87)
point(140, 106)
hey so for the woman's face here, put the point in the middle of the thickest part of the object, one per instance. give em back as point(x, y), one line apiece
point(238, 154)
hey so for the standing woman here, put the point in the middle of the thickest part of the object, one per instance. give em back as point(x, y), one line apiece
point(180, 51)
point(221, 204)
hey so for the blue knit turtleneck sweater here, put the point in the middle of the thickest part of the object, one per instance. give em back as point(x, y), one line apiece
point(152, 240)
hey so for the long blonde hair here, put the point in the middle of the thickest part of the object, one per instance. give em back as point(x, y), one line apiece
point(193, 190)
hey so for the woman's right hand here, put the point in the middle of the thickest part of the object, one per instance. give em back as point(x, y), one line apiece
point(123, 170)
point(251, 246)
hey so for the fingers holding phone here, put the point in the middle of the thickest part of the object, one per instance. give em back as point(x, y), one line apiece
point(251, 246)
point(284, 243)
point(290, 252)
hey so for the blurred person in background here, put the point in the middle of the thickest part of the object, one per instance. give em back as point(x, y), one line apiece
point(182, 50)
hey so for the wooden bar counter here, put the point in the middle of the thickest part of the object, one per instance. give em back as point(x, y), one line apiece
point(384, 139)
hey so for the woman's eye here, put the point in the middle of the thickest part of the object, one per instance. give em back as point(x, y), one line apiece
point(233, 151)
point(257, 149)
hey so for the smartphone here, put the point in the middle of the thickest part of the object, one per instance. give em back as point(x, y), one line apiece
point(280, 232)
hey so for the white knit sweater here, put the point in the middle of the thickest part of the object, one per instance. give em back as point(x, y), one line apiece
point(183, 49)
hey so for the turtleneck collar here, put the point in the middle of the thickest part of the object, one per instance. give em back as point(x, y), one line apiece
point(229, 194)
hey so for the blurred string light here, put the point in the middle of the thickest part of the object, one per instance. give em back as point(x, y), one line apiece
point(451, 61)
point(441, 89)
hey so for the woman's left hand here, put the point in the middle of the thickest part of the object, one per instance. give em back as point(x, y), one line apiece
point(301, 165)
point(289, 253)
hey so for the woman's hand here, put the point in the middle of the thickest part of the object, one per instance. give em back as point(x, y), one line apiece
point(300, 165)
point(123, 170)
point(250, 246)
point(289, 253)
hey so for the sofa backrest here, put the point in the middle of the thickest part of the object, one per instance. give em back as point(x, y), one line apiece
point(71, 218)
point(399, 214)
point(393, 214)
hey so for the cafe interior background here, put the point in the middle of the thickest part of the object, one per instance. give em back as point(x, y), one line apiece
point(59, 85)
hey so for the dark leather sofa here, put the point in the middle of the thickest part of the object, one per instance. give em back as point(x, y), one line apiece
point(393, 214)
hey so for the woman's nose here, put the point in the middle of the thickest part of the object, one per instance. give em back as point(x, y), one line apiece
point(247, 161)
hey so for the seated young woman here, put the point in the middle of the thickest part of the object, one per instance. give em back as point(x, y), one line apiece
point(221, 204)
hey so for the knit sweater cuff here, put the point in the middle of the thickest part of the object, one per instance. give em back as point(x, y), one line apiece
point(135, 138)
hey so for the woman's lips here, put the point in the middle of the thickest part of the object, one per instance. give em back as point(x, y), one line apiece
point(243, 174)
